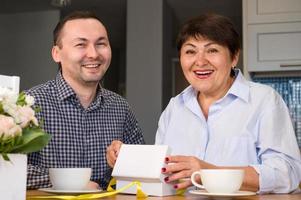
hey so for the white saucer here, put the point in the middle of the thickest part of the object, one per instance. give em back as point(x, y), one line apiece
point(86, 191)
point(236, 194)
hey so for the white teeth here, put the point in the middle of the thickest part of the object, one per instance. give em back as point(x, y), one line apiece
point(203, 72)
point(91, 65)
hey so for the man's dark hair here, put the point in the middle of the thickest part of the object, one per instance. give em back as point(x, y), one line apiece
point(74, 15)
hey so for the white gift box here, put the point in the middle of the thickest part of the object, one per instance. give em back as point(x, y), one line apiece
point(13, 177)
point(143, 163)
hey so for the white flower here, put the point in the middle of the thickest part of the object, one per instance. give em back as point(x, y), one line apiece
point(26, 115)
point(8, 128)
point(22, 115)
point(29, 100)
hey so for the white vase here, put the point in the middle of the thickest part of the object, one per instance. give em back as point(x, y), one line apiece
point(13, 175)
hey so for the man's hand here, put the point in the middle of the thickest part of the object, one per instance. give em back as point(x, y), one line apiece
point(93, 186)
point(112, 152)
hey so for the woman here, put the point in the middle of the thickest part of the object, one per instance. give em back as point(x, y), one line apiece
point(222, 120)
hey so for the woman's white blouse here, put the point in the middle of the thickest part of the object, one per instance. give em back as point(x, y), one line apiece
point(249, 126)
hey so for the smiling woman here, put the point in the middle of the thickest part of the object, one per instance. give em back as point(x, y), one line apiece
point(207, 57)
point(207, 67)
point(227, 121)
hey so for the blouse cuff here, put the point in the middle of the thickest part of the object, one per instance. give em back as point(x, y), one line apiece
point(266, 178)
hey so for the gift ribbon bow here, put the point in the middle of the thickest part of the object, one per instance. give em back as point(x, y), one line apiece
point(110, 192)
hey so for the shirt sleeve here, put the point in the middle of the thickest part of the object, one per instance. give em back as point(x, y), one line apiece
point(160, 131)
point(37, 177)
point(163, 123)
point(133, 133)
point(278, 152)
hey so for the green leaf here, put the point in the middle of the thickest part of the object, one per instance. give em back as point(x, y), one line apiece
point(5, 156)
point(37, 109)
point(32, 140)
point(1, 108)
point(21, 99)
point(7, 144)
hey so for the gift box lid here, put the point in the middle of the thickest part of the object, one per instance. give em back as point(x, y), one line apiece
point(141, 162)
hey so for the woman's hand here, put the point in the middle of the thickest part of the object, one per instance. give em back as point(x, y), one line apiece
point(180, 168)
point(112, 152)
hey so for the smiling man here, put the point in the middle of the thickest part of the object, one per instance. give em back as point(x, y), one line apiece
point(82, 117)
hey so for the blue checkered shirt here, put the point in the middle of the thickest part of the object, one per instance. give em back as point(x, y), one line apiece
point(79, 136)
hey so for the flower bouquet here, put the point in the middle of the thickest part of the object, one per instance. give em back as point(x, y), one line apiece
point(20, 134)
point(19, 128)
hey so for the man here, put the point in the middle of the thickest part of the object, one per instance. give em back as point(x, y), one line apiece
point(82, 117)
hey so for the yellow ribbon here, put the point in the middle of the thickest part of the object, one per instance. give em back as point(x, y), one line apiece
point(180, 192)
point(111, 183)
point(111, 192)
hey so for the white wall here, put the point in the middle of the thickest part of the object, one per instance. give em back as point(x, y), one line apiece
point(25, 50)
point(144, 62)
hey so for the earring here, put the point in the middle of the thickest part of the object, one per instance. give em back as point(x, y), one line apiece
point(232, 72)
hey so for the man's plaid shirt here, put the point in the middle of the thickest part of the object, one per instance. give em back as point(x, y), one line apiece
point(79, 136)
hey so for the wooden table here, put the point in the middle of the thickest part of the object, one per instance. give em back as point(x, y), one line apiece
point(186, 197)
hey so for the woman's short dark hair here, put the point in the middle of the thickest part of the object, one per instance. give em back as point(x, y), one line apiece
point(74, 15)
point(214, 27)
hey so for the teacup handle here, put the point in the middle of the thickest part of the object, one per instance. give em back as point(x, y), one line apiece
point(194, 182)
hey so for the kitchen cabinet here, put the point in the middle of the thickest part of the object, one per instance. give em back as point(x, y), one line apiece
point(270, 11)
point(272, 35)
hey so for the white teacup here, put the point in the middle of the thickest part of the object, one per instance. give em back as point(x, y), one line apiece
point(69, 178)
point(219, 180)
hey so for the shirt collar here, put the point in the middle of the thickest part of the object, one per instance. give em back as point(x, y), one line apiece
point(65, 91)
point(240, 88)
